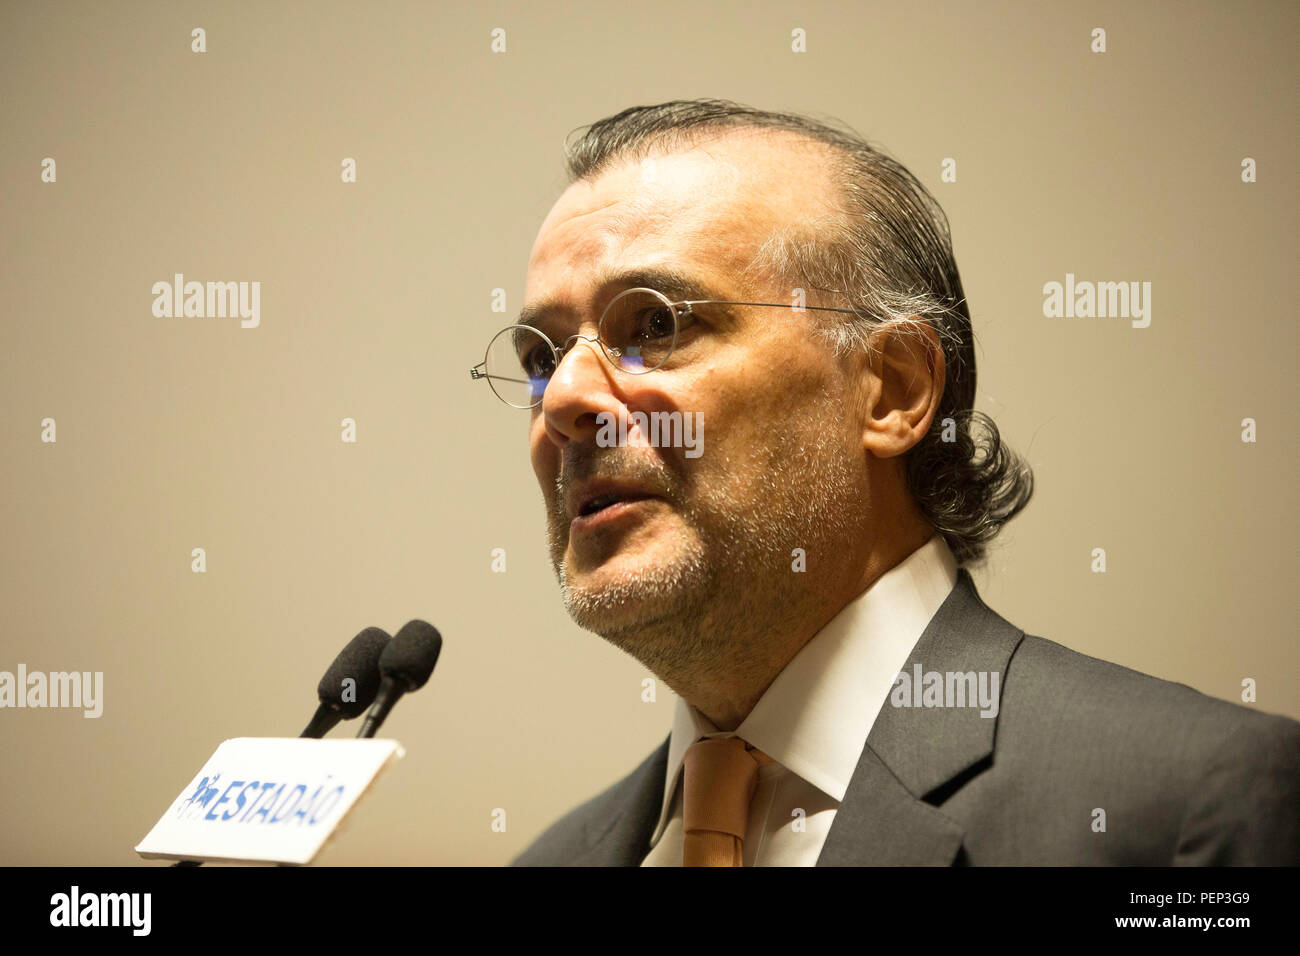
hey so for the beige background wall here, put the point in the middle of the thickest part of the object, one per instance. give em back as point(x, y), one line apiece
point(376, 299)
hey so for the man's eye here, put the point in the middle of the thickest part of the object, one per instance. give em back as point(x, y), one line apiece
point(651, 324)
point(538, 362)
point(658, 323)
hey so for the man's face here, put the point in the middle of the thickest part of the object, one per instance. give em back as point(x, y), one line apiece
point(781, 464)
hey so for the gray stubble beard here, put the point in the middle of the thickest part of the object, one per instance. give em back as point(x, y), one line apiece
point(725, 604)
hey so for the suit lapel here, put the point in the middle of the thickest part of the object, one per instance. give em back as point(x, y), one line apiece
point(622, 837)
point(879, 823)
point(918, 752)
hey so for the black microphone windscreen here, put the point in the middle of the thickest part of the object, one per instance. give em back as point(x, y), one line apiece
point(411, 654)
point(360, 662)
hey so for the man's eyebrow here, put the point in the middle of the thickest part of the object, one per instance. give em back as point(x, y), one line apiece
point(675, 284)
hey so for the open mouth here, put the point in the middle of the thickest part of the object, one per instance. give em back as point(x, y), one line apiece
point(601, 502)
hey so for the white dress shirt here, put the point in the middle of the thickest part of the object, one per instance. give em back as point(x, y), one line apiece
point(813, 720)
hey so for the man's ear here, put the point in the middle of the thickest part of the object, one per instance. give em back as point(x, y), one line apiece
point(901, 376)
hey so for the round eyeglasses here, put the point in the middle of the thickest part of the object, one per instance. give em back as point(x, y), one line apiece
point(638, 332)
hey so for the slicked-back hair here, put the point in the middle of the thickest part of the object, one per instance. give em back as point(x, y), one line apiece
point(885, 251)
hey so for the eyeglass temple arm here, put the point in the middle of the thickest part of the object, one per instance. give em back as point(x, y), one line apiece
point(475, 373)
point(771, 305)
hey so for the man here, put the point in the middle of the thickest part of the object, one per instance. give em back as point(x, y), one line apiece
point(845, 696)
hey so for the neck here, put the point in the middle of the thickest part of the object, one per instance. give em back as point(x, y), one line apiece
point(752, 640)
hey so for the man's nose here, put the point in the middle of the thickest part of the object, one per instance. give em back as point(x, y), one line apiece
point(580, 389)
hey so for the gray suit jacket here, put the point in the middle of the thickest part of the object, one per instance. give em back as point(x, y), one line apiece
point(1183, 778)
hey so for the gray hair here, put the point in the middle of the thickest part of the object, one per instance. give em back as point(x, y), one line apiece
point(887, 249)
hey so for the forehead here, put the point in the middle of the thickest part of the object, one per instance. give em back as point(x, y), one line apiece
point(698, 212)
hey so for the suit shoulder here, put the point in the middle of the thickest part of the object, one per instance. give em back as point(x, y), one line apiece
point(572, 834)
point(1088, 687)
point(1224, 778)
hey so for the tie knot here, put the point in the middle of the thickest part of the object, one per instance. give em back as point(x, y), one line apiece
point(719, 777)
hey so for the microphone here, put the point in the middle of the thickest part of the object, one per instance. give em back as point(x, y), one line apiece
point(405, 664)
point(359, 661)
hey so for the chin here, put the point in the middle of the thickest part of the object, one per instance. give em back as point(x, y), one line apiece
point(628, 593)
point(608, 610)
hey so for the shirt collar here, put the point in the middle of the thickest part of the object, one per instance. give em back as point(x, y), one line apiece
point(814, 719)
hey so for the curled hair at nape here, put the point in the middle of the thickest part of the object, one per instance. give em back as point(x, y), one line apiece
point(967, 481)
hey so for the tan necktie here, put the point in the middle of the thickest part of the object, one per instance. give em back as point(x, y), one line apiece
point(718, 780)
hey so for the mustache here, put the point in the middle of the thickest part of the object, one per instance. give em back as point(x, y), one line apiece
point(585, 462)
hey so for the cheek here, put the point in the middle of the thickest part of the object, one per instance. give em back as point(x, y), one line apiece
point(758, 428)
point(543, 454)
